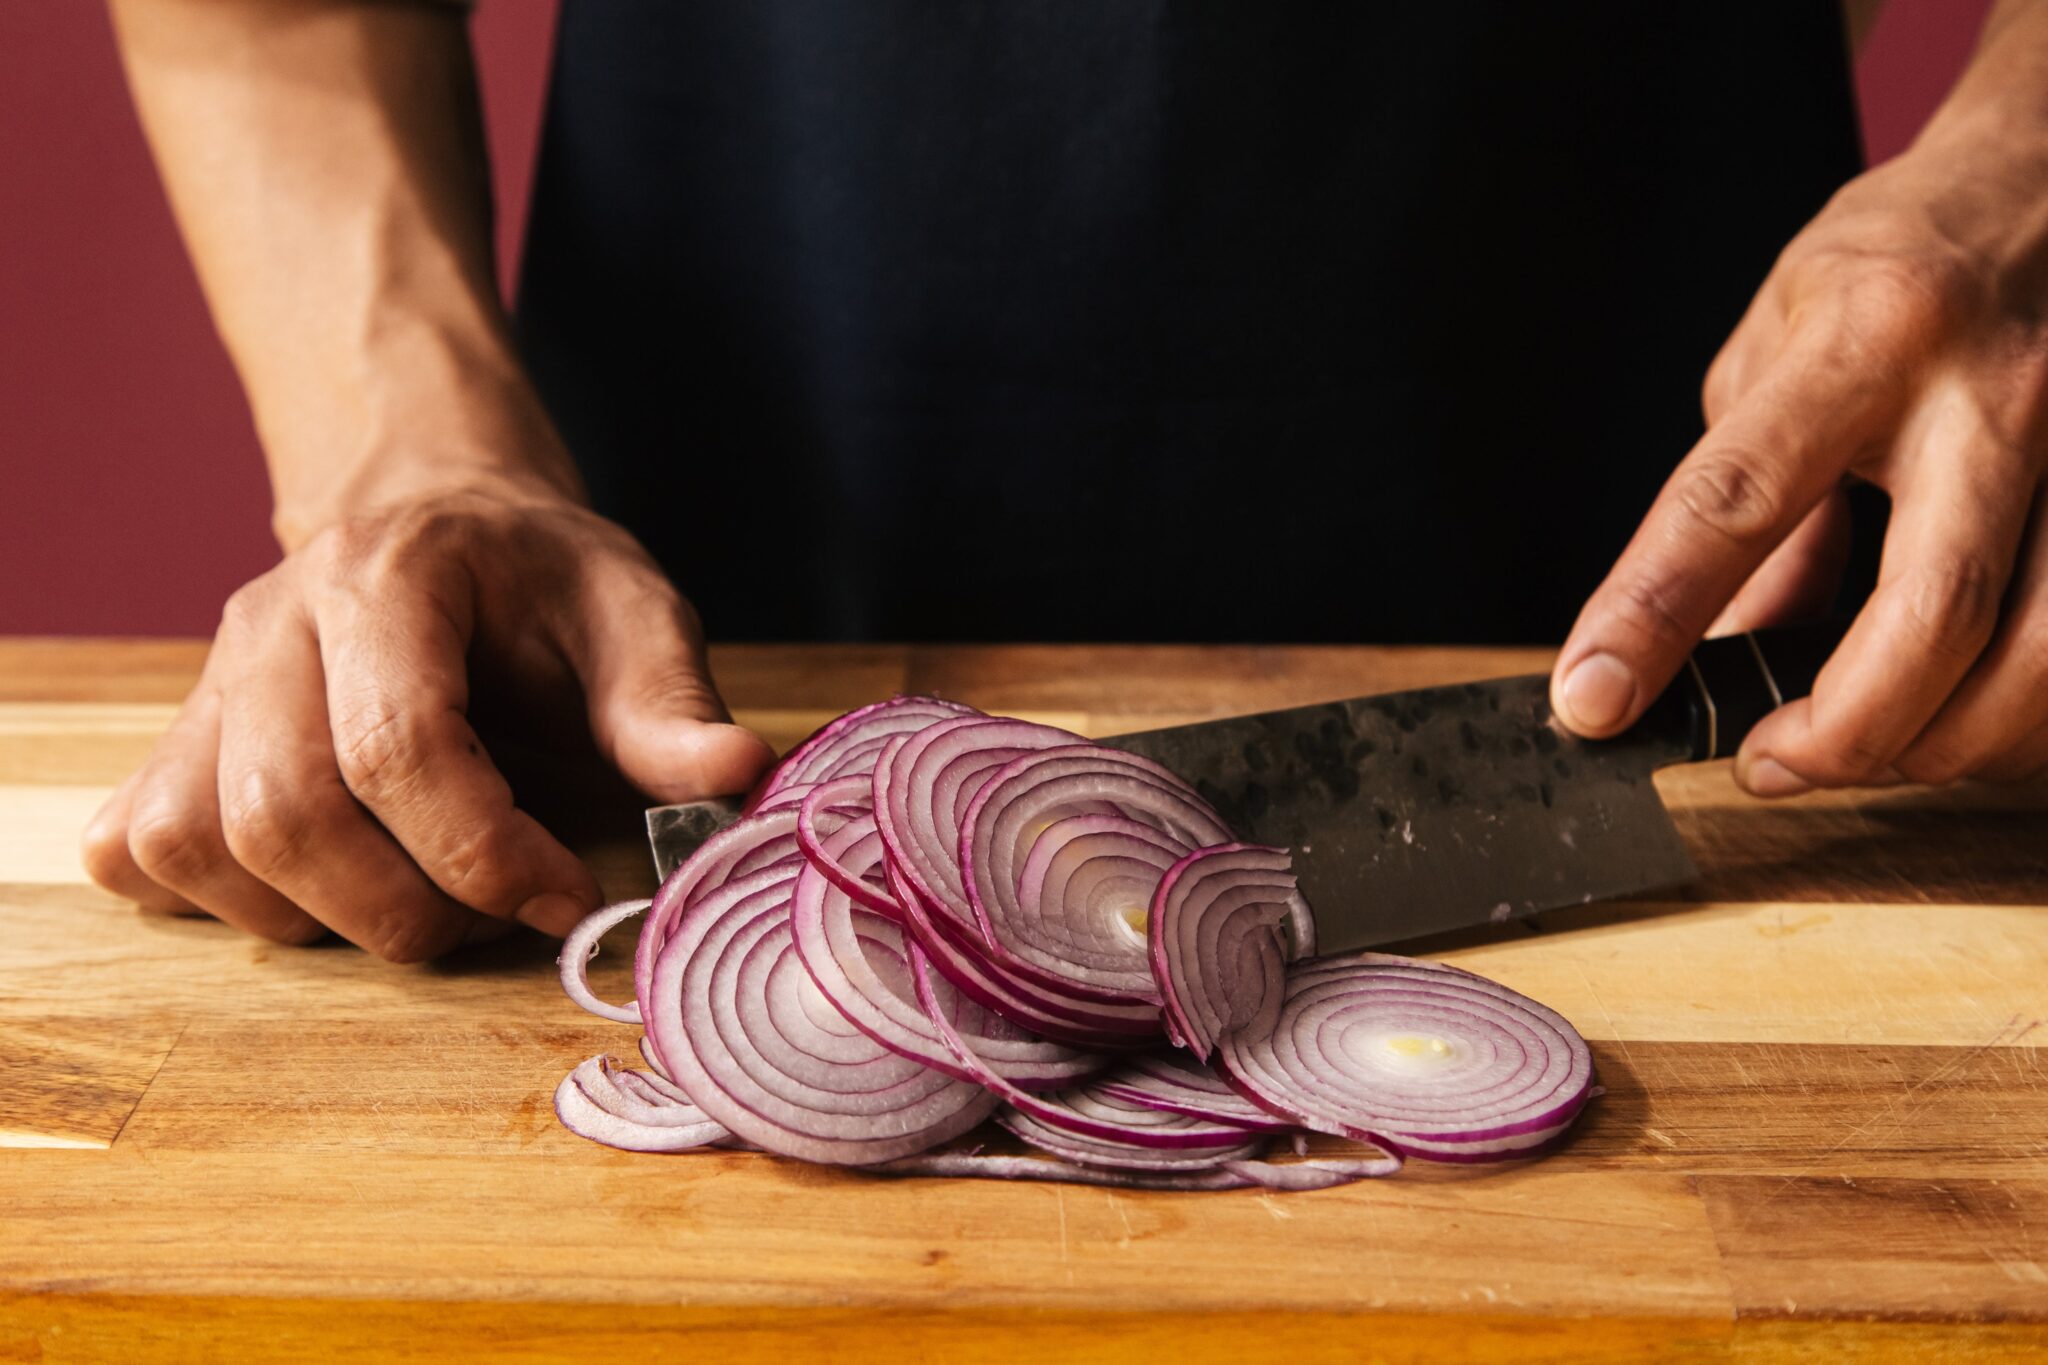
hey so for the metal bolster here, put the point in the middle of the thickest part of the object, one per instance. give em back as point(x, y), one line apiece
point(1777, 697)
point(1713, 713)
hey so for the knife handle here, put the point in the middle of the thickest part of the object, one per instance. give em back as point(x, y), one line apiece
point(1731, 683)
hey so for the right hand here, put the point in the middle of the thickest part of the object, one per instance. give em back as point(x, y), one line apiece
point(324, 775)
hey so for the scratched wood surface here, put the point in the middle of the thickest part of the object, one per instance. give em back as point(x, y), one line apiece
point(1825, 1134)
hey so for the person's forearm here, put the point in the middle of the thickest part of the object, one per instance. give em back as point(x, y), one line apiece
point(325, 161)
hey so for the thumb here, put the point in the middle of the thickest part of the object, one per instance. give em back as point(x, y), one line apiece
point(654, 711)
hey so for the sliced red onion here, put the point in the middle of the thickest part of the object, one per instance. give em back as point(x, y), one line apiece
point(858, 959)
point(591, 1106)
point(849, 745)
point(770, 836)
point(1123, 1154)
point(1426, 1059)
point(1283, 1177)
point(1218, 939)
point(825, 814)
point(749, 1037)
point(1116, 1126)
point(1099, 826)
point(1079, 1024)
point(924, 783)
point(1179, 1085)
point(581, 946)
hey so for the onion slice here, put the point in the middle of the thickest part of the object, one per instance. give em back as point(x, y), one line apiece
point(581, 946)
point(590, 1105)
point(859, 960)
point(749, 1037)
point(1426, 1059)
point(747, 842)
point(1283, 1177)
point(848, 746)
point(1218, 939)
point(1059, 854)
point(824, 814)
point(1170, 1081)
point(1117, 1128)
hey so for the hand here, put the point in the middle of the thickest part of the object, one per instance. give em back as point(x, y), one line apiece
point(324, 773)
point(1903, 339)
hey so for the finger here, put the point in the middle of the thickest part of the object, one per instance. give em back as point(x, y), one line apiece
point(2025, 761)
point(1999, 713)
point(1746, 356)
point(1949, 552)
point(1801, 577)
point(397, 690)
point(175, 834)
point(290, 820)
point(654, 710)
point(1739, 493)
point(109, 862)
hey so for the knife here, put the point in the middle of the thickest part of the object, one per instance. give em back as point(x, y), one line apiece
point(1411, 813)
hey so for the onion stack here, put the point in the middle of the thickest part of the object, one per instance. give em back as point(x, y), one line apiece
point(929, 917)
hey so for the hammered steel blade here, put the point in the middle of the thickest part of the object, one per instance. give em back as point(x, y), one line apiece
point(1409, 813)
point(676, 831)
point(1416, 812)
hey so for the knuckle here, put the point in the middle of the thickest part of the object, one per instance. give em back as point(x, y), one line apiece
point(242, 615)
point(267, 822)
point(1889, 298)
point(171, 843)
point(1647, 607)
point(378, 748)
point(403, 938)
point(103, 848)
point(1952, 605)
point(476, 871)
point(1728, 494)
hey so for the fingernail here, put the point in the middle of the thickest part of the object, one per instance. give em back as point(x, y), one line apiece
point(552, 912)
point(1767, 777)
point(1597, 694)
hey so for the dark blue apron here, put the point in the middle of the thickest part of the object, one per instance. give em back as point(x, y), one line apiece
point(1014, 319)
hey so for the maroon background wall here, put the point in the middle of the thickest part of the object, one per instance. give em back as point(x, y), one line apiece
point(131, 493)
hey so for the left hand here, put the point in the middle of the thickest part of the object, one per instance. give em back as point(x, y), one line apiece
point(1902, 338)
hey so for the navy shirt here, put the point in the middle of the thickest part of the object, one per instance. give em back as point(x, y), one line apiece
point(1024, 319)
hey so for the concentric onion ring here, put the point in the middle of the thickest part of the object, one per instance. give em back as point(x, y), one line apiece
point(859, 960)
point(1423, 1058)
point(1218, 939)
point(735, 851)
point(848, 746)
point(748, 1036)
point(1169, 1080)
point(1112, 821)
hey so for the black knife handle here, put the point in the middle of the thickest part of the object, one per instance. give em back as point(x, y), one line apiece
point(1731, 683)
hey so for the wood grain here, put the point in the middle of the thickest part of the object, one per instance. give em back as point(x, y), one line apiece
point(1823, 1137)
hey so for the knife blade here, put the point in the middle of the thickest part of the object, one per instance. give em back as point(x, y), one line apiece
point(1412, 813)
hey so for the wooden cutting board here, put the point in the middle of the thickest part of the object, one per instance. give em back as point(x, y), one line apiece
point(1824, 1132)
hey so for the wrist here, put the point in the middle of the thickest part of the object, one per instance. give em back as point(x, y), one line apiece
point(419, 409)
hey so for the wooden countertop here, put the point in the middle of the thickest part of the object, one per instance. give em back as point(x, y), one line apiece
point(1824, 1130)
